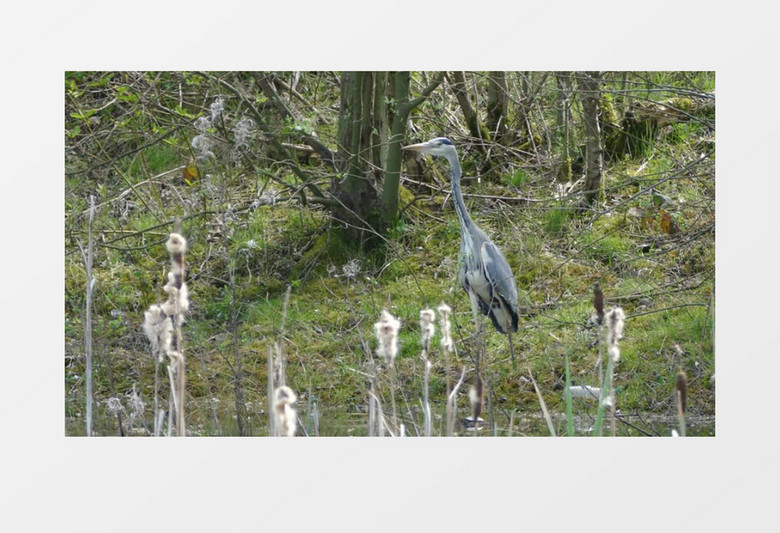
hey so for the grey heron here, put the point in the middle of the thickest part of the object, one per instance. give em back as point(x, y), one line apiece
point(483, 271)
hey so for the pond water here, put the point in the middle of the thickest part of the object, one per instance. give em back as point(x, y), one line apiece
point(206, 418)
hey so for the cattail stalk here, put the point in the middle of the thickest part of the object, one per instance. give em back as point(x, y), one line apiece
point(475, 401)
point(612, 331)
point(428, 429)
point(88, 318)
point(162, 326)
point(381, 424)
point(371, 409)
point(681, 395)
point(567, 396)
point(511, 423)
point(157, 411)
point(316, 418)
point(393, 387)
point(178, 296)
point(446, 343)
point(427, 330)
point(270, 392)
point(280, 342)
point(452, 404)
point(387, 346)
point(543, 405)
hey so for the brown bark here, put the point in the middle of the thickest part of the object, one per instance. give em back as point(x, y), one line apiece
point(590, 84)
point(497, 106)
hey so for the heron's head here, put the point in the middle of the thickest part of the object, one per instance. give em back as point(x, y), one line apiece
point(440, 146)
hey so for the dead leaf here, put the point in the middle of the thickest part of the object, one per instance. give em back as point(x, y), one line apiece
point(667, 223)
point(191, 172)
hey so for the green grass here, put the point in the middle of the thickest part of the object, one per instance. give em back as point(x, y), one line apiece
point(555, 222)
point(519, 178)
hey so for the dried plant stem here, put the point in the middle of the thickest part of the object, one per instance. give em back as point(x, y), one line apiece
point(87, 256)
point(316, 418)
point(371, 410)
point(567, 397)
point(606, 391)
point(178, 373)
point(180, 421)
point(681, 397)
point(171, 410)
point(270, 391)
point(280, 342)
point(447, 369)
point(381, 423)
point(162, 326)
point(680, 415)
point(452, 404)
point(157, 420)
point(428, 425)
point(393, 386)
point(543, 405)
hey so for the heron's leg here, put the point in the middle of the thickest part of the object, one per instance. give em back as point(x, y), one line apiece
point(512, 351)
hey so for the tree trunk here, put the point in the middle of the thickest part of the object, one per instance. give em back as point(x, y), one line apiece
point(391, 189)
point(590, 84)
point(563, 81)
point(400, 115)
point(477, 129)
point(357, 191)
point(381, 130)
point(497, 106)
point(373, 157)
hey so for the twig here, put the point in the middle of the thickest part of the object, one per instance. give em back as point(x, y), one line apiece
point(131, 152)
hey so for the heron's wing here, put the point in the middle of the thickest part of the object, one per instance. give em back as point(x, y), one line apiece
point(501, 280)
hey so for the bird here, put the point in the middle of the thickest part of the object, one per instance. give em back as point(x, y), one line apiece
point(483, 271)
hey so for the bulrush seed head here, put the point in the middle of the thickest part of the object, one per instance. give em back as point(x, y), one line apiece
point(158, 329)
point(181, 293)
point(446, 328)
point(387, 336)
point(286, 418)
point(427, 329)
point(176, 244)
point(615, 319)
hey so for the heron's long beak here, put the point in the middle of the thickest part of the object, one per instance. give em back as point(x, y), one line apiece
point(419, 147)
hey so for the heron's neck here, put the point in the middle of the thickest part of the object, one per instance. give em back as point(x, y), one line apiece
point(457, 196)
